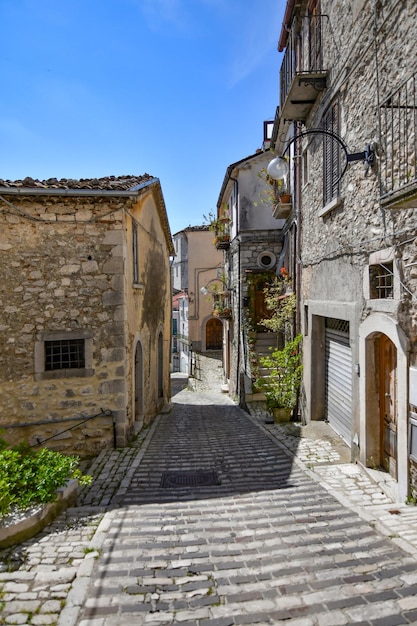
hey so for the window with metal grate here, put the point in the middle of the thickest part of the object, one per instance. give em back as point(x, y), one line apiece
point(64, 354)
point(381, 281)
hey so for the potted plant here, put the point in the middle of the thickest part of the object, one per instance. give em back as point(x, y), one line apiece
point(220, 227)
point(283, 383)
point(222, 311)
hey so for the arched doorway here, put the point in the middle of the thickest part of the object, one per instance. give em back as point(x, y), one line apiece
point(388, 405)
point(214, 334)
point(383, 361)
point(139, 383)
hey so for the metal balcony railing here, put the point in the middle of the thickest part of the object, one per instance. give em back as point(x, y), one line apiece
point(304, 55)
point(398, 123)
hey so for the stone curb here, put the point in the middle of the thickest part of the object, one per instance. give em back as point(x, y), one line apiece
point(30, 526)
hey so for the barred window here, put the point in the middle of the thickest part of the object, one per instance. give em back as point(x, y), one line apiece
point(381, 281)
point(64, 354)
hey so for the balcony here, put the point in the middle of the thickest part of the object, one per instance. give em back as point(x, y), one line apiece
point(302, 74)
point(222, 242)
point(398, 121)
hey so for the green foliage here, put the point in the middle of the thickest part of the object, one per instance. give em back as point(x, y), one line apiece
point(272, 189)
point(285, 367)
point(29, 478)
point(281, 302)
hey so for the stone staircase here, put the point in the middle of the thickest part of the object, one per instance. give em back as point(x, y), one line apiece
point(264, 342)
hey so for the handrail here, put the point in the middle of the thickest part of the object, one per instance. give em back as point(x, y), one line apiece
point(84, 418)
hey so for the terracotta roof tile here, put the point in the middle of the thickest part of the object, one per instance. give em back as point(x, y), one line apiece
point(108, 183)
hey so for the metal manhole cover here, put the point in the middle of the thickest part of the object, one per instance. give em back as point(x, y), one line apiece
point(190, 478)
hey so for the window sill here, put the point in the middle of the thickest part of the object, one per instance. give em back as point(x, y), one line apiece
point(383, 305)
point(65, 373)
point(331, 206)
point(137, 286)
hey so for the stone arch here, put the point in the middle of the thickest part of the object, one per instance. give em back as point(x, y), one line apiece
point(375, 328)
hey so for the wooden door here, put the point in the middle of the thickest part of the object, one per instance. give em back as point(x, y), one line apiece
point(214, 334)
point(260, 312)
point(388, 404)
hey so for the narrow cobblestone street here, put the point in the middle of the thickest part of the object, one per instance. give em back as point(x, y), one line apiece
point(280, 528)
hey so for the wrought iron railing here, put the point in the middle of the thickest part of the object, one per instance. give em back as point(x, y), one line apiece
point(81, 419)
point(398, 123)
point(304, 51)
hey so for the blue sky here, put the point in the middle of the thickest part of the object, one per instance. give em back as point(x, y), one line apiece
point(178, 89)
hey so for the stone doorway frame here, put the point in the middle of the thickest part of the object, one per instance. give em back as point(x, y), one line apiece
point(370, 330)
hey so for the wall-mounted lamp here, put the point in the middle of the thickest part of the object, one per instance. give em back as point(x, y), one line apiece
point(278, 168)
point(206, 291)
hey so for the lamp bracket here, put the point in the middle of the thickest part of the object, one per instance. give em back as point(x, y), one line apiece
point(368, 155)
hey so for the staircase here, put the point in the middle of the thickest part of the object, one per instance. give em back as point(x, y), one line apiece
point(264, 342)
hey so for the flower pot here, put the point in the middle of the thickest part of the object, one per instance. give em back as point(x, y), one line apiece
point(285, 198)
point(281, 414)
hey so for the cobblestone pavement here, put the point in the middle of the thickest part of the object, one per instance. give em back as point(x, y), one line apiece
point(294, 533)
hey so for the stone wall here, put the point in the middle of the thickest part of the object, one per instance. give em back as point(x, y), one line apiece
point(369, 51)
point(336, 246)
point(248, 248)
point(62, 270)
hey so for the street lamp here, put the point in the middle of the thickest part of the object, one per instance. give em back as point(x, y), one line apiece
point(278, 168)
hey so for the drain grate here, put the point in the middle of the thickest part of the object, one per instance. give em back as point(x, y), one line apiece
point(189, 478)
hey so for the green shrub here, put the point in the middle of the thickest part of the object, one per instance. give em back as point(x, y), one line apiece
point(29, 478)
point(285, 373)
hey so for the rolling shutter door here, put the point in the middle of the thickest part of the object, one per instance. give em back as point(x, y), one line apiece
point(338, 410)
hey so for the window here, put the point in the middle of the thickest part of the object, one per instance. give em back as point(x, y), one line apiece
point(381, 281)
point(331, 155)
point(315, 51)
point(266, 260)
point(135, 252)
point(64, 354)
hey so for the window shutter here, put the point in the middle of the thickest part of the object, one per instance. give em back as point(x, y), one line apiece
point(331, 155)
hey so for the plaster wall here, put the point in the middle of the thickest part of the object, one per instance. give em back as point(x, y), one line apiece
point(255, 212)
point(205, 265)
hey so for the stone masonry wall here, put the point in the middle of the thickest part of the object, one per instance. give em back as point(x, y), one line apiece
point(62, 264)
point(251, 245)
point(365, 70)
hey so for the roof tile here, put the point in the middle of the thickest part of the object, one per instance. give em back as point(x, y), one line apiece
point(108, 183)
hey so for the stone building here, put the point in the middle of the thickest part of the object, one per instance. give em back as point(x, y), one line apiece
point(196, 268)
point(85, 310)
point(347, 127)
point(252, 257)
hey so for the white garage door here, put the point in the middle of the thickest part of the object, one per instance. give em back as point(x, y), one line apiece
point(339, 378)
